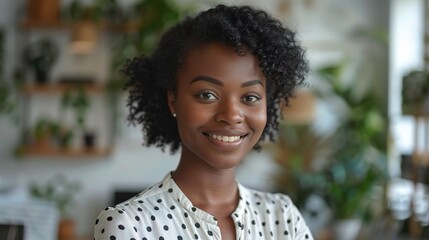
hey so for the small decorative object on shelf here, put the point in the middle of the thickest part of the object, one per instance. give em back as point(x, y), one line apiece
point(78, 101)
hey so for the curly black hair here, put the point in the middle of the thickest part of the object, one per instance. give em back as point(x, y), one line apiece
point(281, 58)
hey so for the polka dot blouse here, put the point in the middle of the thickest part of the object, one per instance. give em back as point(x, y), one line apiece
point(164, 212)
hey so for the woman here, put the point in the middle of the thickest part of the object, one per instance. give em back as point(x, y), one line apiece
point(213, 88)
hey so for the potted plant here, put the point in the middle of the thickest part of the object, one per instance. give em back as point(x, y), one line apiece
point(78, 101)
point(61, 192)
point(43, 135)
point(40, 56)
point(344, 166)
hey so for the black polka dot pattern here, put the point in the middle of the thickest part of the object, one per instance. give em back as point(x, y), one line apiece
point(164, 212)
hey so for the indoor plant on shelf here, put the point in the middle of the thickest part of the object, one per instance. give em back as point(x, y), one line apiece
point(61, 192)
point(40, 57)
point(78, 101)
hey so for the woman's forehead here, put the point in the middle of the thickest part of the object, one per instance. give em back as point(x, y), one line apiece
point(220, 59)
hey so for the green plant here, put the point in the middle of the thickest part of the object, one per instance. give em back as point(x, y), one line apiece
point(43, 129)
point(358, 154)
point(351, 158)
point(76, 11)
point(50, 134)
point(359, 147)
point(6, 105)
point(58, 190)
point(40, 56)
point(9, 100)
point(296, 148)
point(79, 102)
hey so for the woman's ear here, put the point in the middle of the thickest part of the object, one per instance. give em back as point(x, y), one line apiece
point(171, 98)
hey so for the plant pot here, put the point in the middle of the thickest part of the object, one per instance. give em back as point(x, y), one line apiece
point(44, 11)
point(346, 229)
point(41, 76)
point(89, 140)
point(66, 230)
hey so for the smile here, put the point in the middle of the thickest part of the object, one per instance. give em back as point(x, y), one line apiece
point(227, 139)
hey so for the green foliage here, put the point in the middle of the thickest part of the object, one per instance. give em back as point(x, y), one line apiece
point(298, 146)
point(364, 124)
point(95, 10)
point(59, 190)
point(6, 104)
point(354, 154)
point(8, 101)
point(358, 151)
point(46, 129)
point(41, 54)
point(79, 102)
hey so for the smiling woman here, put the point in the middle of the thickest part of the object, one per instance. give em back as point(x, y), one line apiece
point(213, 89)
point(220, 104)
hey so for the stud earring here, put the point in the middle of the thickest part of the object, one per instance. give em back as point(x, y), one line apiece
point(174, 114)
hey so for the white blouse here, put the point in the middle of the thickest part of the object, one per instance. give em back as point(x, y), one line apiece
point(164, 212)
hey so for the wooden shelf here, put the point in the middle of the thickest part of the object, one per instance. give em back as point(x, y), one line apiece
point(56, 88)
point(129, 27)
point(31, 24)
point(33, 151)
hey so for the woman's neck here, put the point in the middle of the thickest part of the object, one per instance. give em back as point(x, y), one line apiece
point(204, 185)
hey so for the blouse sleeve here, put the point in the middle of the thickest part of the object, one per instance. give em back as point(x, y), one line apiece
point(302, 230)
point(298, 226)
point(114, 224)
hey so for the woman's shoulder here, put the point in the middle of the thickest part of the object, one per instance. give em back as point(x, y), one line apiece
point(261, 201)
point(138, 204)
point(262, 197)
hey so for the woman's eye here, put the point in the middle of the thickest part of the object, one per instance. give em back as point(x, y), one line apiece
point(207, 96)
point(251, 98)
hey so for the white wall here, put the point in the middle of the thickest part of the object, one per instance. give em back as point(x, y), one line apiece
point(324, 28)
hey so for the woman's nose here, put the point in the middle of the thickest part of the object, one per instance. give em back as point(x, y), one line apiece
point(229, 111)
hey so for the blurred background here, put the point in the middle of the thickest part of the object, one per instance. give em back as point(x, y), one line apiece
point(352, 150)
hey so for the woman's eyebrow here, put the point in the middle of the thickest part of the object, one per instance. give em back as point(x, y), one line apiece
point(220, 83)
point(207, 79)
point(251, 83)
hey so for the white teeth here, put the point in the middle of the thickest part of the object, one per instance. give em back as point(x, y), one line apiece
point(226, 138)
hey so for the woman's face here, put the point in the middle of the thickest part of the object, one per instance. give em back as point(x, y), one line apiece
point(220, 104)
